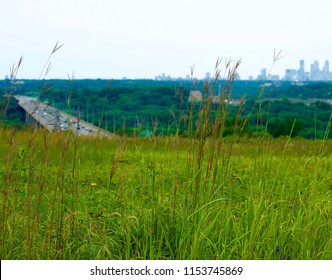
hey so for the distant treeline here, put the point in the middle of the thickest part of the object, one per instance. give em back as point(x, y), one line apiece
point(162, 107)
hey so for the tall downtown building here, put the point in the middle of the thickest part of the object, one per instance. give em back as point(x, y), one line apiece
point(315, 74)
point(301, 72)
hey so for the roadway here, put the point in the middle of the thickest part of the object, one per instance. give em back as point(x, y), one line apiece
point(55, 120)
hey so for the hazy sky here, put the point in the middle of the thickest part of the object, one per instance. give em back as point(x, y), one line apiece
point(145, 38)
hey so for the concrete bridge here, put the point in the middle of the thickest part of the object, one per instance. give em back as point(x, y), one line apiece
point(53, 120)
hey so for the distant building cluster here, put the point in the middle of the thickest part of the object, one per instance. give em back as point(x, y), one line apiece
point(163, 77)
point(208, 77)
point(315, 74)
point(296, 75)
point(197, 96)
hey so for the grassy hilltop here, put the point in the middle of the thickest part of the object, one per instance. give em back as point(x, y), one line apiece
point(216, 192)
point(164, 198)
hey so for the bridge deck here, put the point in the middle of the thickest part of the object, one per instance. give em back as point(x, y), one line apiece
point(55, 120)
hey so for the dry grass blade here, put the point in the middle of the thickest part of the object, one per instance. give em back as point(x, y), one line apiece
point(108, 86)
point(56, 47)
point(228, 63)
point(47, 64)
point(72, 76)
point(14, 69)
point(48, 69)
point(218, 62)
point(238, 63)
point(192, 70)
point(217, 70)
point(117, 160)
point(277, 56)
point(20, 62)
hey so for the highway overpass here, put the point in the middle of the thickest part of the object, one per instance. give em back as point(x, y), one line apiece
point(55, 120)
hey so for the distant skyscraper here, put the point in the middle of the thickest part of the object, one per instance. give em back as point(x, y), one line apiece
point(326, 70)
point(291, 75)
point(301, 72)
point(315, 71)
point(262, 75)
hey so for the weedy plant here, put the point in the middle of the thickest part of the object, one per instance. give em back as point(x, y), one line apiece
point(205, 196)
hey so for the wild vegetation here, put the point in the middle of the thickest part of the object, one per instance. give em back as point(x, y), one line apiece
point(164, 198)
point(209, 195)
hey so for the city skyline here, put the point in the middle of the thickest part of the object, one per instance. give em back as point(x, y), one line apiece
point(297, 75)
point(143, 39)
point(300, 74)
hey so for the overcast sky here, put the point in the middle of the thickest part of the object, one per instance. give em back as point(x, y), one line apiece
point(142, 39)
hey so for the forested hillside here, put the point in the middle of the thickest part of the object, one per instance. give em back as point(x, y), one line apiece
point(148, 106)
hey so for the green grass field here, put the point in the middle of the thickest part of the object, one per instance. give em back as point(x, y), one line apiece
point(64, 197)
point(202, 197)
